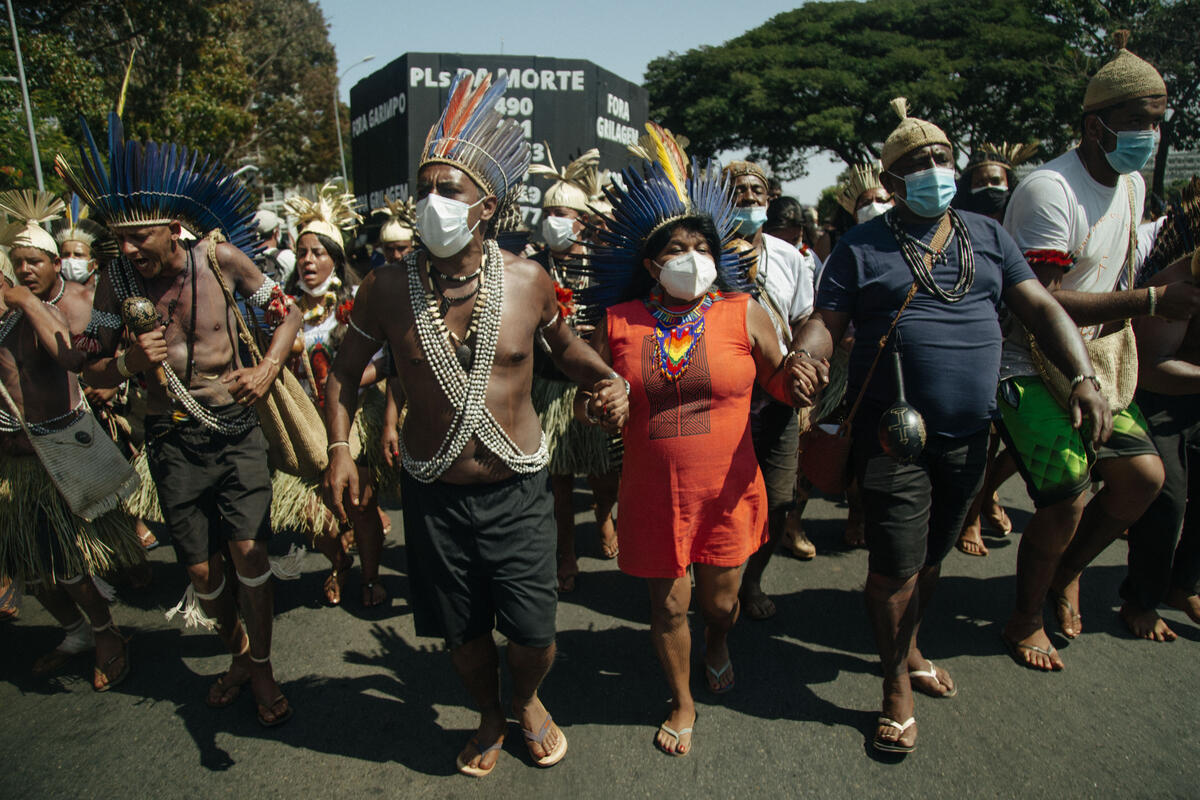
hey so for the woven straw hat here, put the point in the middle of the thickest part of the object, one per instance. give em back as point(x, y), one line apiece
point(1126, 77)
point(910, 134)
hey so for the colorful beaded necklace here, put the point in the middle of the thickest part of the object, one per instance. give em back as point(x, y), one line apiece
point(677, 332)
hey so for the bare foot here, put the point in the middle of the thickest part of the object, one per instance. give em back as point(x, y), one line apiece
point(1032, 648)
point(758, 606)
point(482, 752)
point(1066, 608)
point(970, 541)
point(1187, 603)
point(336, 581)
point(681, 721)
point(546, 742)
point(854, 535)
point(568, 570)
point(939, 684)
point(1146, 624)
point(608, 538)
point(898, 706)
point(373, 593)
point(996, 516)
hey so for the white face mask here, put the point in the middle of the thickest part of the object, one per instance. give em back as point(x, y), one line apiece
point(442, 224)
point(876, 209)
point(689, 275)
point(331, 282)
point(76, 269)
point(559, 232)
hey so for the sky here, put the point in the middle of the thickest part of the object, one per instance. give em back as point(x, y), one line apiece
point(622, 36)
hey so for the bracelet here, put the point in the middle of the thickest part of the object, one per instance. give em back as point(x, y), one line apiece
point(1153, 293)
point(332, 445)
point(618, 377)
point(122, 368)
point(1078, 379)
point(801, 350)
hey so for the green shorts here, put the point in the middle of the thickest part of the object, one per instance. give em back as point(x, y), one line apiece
point(1055, 459)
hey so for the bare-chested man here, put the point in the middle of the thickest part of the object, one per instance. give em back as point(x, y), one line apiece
point(207, 453)
point(1164, 545)
point(36, 358)
point(462, 317)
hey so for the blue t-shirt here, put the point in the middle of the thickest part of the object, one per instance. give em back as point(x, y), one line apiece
point(950, 351)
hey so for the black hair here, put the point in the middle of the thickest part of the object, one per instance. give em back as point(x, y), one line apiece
point(694, 223)
point(341, 267)
point(784, 212)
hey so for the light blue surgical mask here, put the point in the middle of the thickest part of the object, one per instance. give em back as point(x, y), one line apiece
point(1134, 149)
point(749, 219)
point(928, 192)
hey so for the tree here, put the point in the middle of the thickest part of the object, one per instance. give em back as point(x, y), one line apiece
point(820, 78)
point(247, 82)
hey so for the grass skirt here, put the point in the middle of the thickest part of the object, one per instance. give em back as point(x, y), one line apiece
point(371, 408)
point(67, 546)
point(575, 448)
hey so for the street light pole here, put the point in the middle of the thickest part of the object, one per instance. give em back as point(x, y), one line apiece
point(337, 116)
point(37, 159)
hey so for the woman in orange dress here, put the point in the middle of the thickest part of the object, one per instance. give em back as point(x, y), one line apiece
point(691, 351)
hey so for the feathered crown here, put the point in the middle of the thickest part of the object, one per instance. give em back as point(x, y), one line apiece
point(147, 183)
point(474, 137)
point(330, 214)
point(6, 268)
point(863, 177)
point(576, 183)
point(400, 220)
point(659, 145)
point(1179, 235)
point(1004, 154)
point(76, 227)
point(652, 197)
point(29, 210)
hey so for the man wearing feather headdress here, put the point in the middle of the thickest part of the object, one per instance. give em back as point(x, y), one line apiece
point(44, 542)
point(462, 319)
point(398, 231)
point(1075, 218)
point(784, 277)
point(207, 451)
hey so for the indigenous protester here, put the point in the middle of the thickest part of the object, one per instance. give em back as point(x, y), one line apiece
point(575, 447)
point(82, 244)
point(461, 319)
point(921, 285)
point(988, 180)
point(784, 282)
point(268, 225)
point(692, 348)
point(862, 196)
point(207, 453)
point(397, 234)
point(45, 544)
point(1164, 545)
point(321, 285)
point(1075, 218)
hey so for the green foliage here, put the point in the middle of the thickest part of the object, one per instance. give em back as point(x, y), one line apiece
point(246, 81)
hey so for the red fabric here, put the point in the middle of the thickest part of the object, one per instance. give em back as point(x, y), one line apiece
point(1054, 258)
point(693, 493)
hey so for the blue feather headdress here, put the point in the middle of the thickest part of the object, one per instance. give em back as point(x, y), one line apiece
point(653, 196)
point(147, 183)
point(474, 137)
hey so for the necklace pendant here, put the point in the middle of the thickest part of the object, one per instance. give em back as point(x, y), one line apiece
point(464, 355)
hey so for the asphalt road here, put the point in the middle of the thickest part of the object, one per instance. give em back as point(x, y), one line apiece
point(379, 712)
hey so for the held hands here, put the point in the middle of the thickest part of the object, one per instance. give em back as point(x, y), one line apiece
point(609, 404)
point(808, 377)
point(248, 385)
point(1087, 403)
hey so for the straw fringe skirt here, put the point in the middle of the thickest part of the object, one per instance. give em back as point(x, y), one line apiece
point(575, 448)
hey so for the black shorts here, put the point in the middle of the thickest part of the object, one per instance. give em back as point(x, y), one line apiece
point(914, 513)
point(775, 429)
point(482, 557)
point(212, 488)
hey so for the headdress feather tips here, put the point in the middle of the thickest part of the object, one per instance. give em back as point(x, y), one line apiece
point(399, 220)
point(862, 178)
point(329, 215)
point(148, 183)
point(659, 145)
point(30, 210)
point(476, 138)
point(577, 183)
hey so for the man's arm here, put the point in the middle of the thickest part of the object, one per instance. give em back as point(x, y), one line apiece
point(250, 384)
point(1056, 334)
point(49, 325)
point(1178, 300)
point(1159, 370)
point(813, 345)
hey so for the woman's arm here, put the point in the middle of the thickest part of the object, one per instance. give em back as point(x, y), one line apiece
point(772, 367)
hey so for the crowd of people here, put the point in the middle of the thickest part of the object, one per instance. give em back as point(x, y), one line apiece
point(679, 334)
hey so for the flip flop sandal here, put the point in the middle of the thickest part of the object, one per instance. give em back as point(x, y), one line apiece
point(102, 670)
point(890, 746)
point(1062, 604)
point(676, 735)
point(52, 662)
point(336, 580)
point(931, 673)
point(279, 720)
point(464, 765)
point(225, 699)
point(1014, 652)
point(713, 678)
point(555, 755)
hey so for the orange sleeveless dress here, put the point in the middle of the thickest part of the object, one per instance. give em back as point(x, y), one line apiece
point(691, 489)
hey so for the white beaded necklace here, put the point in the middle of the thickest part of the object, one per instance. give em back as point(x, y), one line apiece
point(466, 391)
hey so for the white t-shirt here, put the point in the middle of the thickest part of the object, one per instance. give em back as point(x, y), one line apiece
point(787, 275)
point(1061, 207)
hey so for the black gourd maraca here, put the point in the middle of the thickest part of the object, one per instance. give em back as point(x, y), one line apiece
point(901, 428)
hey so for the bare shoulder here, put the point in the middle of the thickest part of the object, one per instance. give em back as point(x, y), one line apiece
point(523, 272)
point(76, 293)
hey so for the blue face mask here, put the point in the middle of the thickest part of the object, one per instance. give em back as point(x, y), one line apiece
point(1134, 149)
point(750, 219)
point(928, 192)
